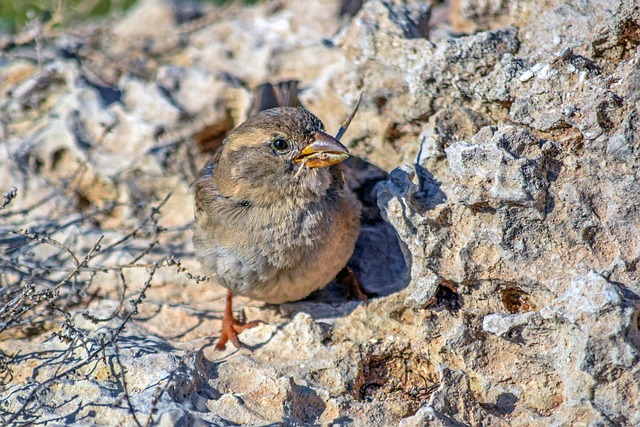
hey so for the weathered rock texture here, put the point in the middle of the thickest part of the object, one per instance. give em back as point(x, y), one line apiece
point(511, 134)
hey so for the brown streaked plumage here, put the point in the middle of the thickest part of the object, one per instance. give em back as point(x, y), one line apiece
point(275, 219)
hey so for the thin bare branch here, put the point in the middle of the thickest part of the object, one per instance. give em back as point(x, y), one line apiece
point(123, 380)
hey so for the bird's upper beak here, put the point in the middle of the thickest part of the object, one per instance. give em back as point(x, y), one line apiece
point(324, 151)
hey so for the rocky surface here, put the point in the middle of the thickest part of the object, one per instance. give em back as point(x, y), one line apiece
point(503, 245)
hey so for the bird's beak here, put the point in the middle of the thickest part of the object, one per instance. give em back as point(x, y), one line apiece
point(324, 151)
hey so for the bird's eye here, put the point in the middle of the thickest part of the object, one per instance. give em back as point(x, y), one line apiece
point(280, 144)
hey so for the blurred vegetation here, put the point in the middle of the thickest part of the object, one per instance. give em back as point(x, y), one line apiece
point(15, 14)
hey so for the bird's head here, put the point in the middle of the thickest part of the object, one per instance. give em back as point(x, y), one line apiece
point(278, 152)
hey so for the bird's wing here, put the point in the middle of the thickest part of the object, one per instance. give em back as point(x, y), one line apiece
point(205, 189)
point(212, 206)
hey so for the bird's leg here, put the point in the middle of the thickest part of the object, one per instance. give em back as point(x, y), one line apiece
point(231, 327)
point(347, 278)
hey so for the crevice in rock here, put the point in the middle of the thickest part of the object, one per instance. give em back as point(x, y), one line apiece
point(447, 297)
point(56, 158)
point(516, 300)
point(108, 94)
point(403, 377)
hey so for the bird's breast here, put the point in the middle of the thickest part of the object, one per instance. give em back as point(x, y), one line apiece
point(285, 251)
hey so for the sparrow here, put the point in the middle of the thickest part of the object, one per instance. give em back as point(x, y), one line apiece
point(274, 218)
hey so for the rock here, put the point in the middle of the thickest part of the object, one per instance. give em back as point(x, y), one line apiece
point(592, 297)
point(148, 102)
point(507, 169)
point(396, 198)
point(120, 373)
point(425, 416)
point(503, 325)
point(595, 28)
point(423, 290)
point(390, 60)
point(134, 25)
point(454, 401)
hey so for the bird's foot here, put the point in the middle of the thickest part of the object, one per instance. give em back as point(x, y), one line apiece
point(231, 328)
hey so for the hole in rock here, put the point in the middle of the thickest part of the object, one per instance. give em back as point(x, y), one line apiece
point(633, 333)
point(56, 157)
point(380, 102)
point(393, 132)
point(447, 296)
point(29, 161)
point(108, 94)
point(402, 379)
point(516, 301)
point(604, 117)
point(82, 201)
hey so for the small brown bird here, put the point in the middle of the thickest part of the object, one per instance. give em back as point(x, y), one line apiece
point(275, 219)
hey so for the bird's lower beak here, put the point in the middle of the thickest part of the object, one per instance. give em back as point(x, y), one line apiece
point(324, 151)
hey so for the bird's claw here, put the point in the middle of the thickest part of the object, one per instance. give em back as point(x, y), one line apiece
point(231, 328)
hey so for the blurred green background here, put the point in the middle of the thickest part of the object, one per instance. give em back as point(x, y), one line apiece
point(15, 14)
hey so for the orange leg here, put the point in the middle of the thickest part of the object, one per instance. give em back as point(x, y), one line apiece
point(231, 327)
